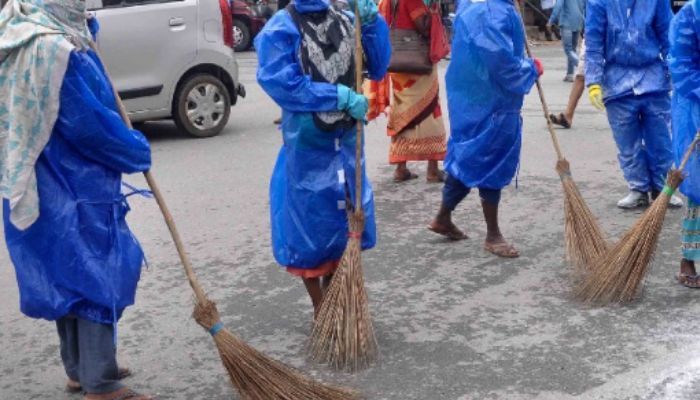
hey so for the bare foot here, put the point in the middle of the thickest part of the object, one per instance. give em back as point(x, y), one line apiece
point(75, 386)
point(447, 229)
point(435, 177)
point(688, 276)
point(501, 248)
point(404, 175)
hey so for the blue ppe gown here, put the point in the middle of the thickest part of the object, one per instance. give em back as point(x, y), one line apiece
point(315, 169)
point(684, 62)
point(486, 81)
point(79, 257)
point(626, 47)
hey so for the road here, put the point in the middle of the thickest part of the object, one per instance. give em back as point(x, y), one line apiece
point(453, 322)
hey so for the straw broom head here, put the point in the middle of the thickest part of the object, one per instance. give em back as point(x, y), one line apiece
point(583, 237)
point(256, 376)
point(618, 275)
point(343, 335)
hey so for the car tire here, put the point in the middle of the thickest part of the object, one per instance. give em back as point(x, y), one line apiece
point(241, 36)
point(202, 106)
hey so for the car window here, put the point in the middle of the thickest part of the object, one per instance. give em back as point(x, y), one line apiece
point(136, 2)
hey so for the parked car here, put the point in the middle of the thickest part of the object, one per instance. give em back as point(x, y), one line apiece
point(247, 22)
point(171, 59)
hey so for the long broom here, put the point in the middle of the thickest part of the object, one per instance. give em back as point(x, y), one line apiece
point(618, 275)
point(254, 375)
point(583, 238)
point(343, 335)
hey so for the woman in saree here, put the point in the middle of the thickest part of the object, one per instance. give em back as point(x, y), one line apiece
point(415, 121)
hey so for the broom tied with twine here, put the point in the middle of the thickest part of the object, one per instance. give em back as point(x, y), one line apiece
point(343, 335)
point(583, 237)
point(254, 375)
point(618, 274)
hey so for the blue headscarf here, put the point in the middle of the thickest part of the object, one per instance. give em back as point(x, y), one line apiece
point(309, 6)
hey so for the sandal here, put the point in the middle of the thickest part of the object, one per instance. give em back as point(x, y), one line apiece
point(560, 120)
point(689, 281)
point(439, 178)
point(128, 394)
point(503, 249)
point(75, 387)
point(405, 177)
point(452, 232)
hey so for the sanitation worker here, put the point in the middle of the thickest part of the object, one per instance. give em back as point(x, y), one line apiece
point(307, 65)
point(487, 80)
point(64, 149)
point(685, 74)
point(627, 75)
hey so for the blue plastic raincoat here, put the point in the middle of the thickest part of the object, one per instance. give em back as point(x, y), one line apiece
point(626, 48)
point(626, 45)
point(79, 257)
point(314, 167)
point(685, 72)
point(487, 80)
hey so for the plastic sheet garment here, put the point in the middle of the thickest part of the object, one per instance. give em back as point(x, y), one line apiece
point(487, 80)
point(314, 168)
point(685, 72)
point(626, 45)
point(79, 257)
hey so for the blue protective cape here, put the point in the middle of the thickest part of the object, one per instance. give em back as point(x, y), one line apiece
point(79, 257)
point(684, 63)
point(626, 45)
point(486, 81)
point(314, 168)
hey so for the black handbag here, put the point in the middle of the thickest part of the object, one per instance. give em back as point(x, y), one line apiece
point(410, 51)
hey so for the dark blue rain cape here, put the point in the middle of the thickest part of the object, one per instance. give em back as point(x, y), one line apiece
point(685, 72)
point(486, 81)
point(79, 257)
point(314, 167)
point(626, 55)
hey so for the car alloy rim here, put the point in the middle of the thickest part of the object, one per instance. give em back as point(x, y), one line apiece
point(237, 35)
point(205, 106)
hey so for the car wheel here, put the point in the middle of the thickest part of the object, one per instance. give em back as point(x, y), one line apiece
point(202, 106)
point(241, 36)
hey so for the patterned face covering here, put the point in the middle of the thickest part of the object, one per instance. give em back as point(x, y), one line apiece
point(69, 15)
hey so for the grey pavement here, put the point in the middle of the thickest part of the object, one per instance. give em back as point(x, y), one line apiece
point(453, 322)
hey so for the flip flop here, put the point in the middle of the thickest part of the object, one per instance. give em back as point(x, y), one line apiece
point(75, 387)
point(505, 250)
point(689, 281)
point(560, 120)
point(405, 178)
point(453, 234)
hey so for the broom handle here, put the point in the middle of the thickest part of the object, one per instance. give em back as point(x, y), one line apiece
point(360, 122)
point(540, 91)
point(169, 221)
point(690, 151)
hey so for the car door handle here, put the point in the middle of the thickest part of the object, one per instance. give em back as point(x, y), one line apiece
point(176, 21)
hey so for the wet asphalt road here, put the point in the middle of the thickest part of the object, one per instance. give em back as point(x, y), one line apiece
point(453, 322)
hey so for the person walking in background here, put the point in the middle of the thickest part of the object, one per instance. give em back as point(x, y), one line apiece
point(415, 121)
point(309, 190)
point(685, 74)
point(566, 119)
point(64, 149)
point(486, 84)
point(626, 73)
point(569, 15)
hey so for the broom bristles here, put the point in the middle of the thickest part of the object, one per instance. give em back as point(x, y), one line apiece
point(258, 377)
point(584, 240)
point(618, 275)
point(343, 335)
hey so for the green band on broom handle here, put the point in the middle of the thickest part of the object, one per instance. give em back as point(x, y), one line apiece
point(667, 190)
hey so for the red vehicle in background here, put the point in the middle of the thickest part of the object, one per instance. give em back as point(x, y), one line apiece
point(247, 22)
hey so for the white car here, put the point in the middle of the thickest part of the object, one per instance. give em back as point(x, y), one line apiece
point(171, 59)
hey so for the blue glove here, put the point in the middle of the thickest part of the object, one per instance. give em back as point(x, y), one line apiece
point(354, 103)
point(368, 10)
point(93, 26)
